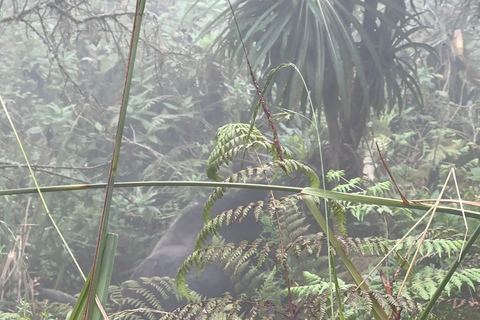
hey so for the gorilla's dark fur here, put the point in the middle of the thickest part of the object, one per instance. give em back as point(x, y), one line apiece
point(179, 240)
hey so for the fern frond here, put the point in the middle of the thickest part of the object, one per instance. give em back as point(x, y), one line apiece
point(292, 165)
point(232, 139)
point(379, 246)
point(224, 308)
point(227, 217)
point(379, 189)
point(268, 284)
point(309, 243)
point(318, 305)
point(291, 218)
point(264, 252)
point(340, 216)
point(333, 175)
point(226, 255)
point(247, 276)
point(246, 256)
point(424, 284)
point(315, 284)
point(115, 295)
point(8, 316)
point(143, 299)
point(257, 174)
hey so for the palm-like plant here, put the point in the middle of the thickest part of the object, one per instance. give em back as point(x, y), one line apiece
point(350, 52)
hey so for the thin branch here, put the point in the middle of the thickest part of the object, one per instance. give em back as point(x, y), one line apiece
point(53, 4)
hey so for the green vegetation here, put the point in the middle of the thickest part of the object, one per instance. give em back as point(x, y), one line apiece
point(340, 80)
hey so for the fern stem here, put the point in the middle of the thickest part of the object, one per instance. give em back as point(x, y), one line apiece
point(280, 234)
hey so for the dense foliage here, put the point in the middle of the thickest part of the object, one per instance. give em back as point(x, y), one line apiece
point(63, 65)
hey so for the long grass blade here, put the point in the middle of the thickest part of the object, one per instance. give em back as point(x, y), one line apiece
point(44, 203)
point(377, 310)
point(102, 230)
point(38, 189)
point(434, 209)
point(337, 288)
point(106, 272)
point(322, 193)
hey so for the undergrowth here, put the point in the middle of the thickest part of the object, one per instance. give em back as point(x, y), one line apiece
point(257, 267)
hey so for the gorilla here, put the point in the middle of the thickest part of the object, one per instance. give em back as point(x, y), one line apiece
point(178, 243)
